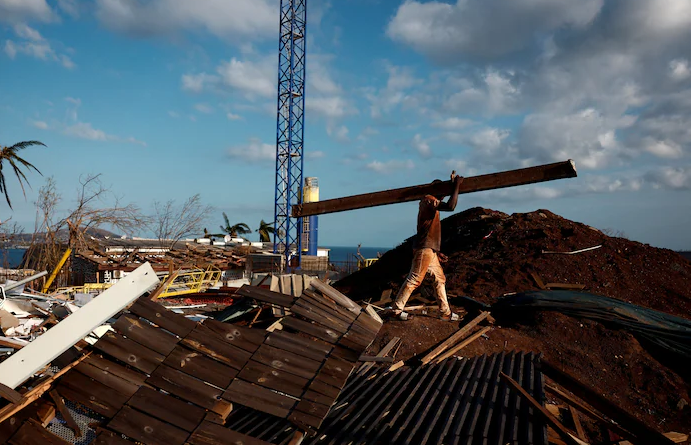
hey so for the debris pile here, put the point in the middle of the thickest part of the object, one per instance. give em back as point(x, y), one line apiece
point(492, 254)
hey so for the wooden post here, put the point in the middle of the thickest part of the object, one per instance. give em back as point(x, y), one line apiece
point(511, 178)
point(642, 433)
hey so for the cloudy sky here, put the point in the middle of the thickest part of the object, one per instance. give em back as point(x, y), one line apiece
point(168, 98)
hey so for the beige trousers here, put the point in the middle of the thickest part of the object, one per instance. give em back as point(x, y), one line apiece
point(425, 261)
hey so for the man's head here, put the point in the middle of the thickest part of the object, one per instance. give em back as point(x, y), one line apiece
point(439, 197)
point(430, 200)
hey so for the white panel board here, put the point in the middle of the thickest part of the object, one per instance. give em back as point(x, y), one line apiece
point(54, 342)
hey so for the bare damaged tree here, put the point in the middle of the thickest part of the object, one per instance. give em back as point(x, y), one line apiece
point(95, 206)
point(171, 223)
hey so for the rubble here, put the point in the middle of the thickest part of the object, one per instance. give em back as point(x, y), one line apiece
point(291, 359)
point(492, 254)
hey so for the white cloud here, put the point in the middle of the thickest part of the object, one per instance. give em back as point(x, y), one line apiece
point(586, 136)
point(395, 94)
point(254, 152)
point(84, 130)
point(173, 114)
point(421, 145)
point(41, 125)
point(196, 82)
point(70, 7)
point(33, 44)
point(233, 117)
point(340, 133)
point(203, 108)
point(13, 11)
point(676, 178)
point(252, 78)
point(332, 107)
point(10, 49)
point(679, 69)
point(390, 166)
point(452, 123)
point(452, 33)
point(233, 20)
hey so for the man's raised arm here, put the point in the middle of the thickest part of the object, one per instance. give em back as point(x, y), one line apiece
point(450, 205)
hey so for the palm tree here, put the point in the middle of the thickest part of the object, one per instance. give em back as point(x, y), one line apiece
point(233, 231)
point(9, 155)
point(265, 230)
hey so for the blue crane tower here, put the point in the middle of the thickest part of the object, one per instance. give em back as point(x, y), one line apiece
point(290, 121)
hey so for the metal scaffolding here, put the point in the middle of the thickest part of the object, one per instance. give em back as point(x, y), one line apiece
point(290, 123)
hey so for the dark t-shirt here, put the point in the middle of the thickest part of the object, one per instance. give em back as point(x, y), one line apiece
point(429, 229)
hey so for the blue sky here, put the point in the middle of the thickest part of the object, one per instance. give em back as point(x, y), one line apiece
point(168, 98)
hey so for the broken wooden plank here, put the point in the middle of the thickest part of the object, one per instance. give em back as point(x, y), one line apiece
point(248, 339)
point(677, 437)
point(107, 378)
point(273, 378)
point(458, 335)
point(382, 353)
point(201, 340)
point(46, 412)
point(185, 386)
point(9, 394)
point(210, 433)
point(286, 361)
point(642, 433)
point(322, 318)
point(318, 331)
point(201, 366)
point(129, 352)
point(259, 398)
point(146, 429)
point(167, 408)
point(266, 295)
point(372, 313)
point(298, 345)
point(79, 388)
point(166, 319)
point(25, 362)
point(39, 389)
point(146, 334)
point(336, 295)
point(539, 282)
point(106, 437)
point(555, 423)
point(529, 175)
point(462, 345)
point(370, 358)
point(578, 425)
point(32, 433)
point(108, 366)
point(65, 413)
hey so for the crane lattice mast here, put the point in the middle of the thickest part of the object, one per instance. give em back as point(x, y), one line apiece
point(290, 121)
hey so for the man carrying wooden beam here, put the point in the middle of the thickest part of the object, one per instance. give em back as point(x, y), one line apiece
point(426, 252)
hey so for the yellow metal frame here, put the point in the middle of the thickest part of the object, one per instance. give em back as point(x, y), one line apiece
point(366, 263)
point(191, 282)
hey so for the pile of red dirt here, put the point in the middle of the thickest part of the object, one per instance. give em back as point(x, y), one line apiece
point(492, 253)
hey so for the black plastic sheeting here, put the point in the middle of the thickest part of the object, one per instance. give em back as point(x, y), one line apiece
point(668, 332)
point(458, 401)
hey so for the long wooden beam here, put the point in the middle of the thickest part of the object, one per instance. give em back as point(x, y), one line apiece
point(511, 178)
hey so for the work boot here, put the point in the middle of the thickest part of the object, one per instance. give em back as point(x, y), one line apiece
point(450, 317)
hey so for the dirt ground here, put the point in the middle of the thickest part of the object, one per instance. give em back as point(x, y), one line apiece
point(492, 253)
